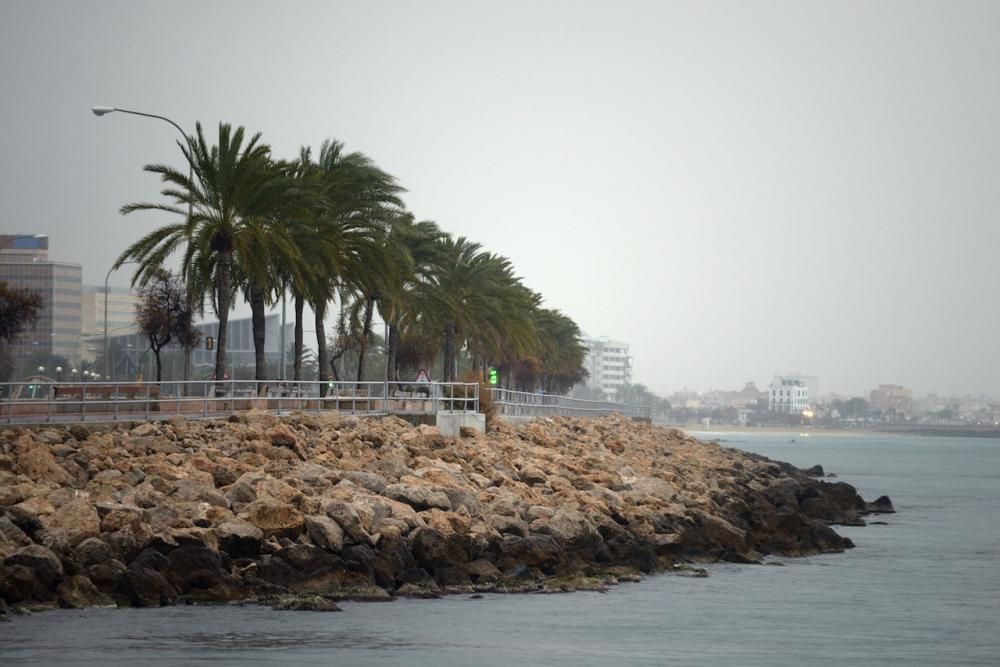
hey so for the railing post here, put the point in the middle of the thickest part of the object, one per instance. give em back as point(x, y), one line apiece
point(116, 394)
point(10, 404)
point(48, 404)
point(83, 401)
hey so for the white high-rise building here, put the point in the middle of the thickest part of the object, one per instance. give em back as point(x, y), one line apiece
point(609, 365)
point(788, 395)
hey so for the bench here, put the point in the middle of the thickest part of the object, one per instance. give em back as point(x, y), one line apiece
point(105, 391)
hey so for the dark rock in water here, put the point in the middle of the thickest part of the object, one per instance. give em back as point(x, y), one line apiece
point(78, 592)
point(148, 588)
point(815, 471)
point(42, 562)
point(745, 557)
point(477, 596)
point(305, 603)
point(878, 523)
point(881, 505)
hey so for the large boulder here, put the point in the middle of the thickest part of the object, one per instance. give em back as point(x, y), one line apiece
point(47, 568)
point(274, 518)
point(536, 551)
point(418, 497)
point(147, 587)
point(73, 522)
point(239, 538)
point(40, 465)
point(78, 592)
point(433, 550)
point(346, 514)
point(325, 533)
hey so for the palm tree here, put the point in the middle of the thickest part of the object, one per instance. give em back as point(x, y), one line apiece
point(415, 253)
point(352, 198)
point(229, 237)
point(477, 300)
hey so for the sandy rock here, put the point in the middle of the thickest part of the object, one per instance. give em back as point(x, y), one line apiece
point(418, 497)
point(274, 518)
point(346, 515)
point(325, 533)
point(283, 436)
point(39, 465)
point(74, 522)
point(369, 480)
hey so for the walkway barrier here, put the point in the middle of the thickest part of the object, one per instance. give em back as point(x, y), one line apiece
point(32, 402)
point(522, 404)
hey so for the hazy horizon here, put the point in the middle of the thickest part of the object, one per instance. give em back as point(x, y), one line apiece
point(737, 190)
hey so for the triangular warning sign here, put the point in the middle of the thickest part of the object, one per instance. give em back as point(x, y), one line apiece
point(422, 376)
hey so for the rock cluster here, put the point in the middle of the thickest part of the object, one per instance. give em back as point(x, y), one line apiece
point(305, 510)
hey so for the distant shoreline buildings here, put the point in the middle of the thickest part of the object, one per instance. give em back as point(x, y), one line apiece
point(608, 364)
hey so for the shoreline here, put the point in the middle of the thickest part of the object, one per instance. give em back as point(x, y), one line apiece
point(889, 430)
point(299, 512)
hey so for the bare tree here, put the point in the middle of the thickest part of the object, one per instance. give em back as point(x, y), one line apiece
point(164, 314)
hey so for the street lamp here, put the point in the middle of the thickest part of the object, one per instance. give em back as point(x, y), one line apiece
point(102, 111)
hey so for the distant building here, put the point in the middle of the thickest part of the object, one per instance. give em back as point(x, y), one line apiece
point(609, 365)
point(748, 397)
point(892, 397)
point(121, 310)
point(129, 351)
point(810, 381)
point(25, 264)
point(787, 395)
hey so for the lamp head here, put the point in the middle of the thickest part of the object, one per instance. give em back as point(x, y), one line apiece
point(100, 111)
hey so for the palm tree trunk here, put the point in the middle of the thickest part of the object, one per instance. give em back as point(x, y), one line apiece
point(300, 303)
point(187, 372)
point(323, 376)
point(449, 352)
point(390, 353)
point(223, 301)
point(365, 335)
point(257, 319)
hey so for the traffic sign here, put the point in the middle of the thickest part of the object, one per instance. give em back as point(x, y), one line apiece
point(422, 376)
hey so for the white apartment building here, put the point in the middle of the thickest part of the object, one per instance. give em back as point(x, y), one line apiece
point(788, 395)
point(609, 365)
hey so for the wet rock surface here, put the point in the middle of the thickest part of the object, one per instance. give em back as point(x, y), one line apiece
point(301, 511)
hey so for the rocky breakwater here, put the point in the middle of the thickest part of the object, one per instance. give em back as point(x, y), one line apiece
point(301, 511)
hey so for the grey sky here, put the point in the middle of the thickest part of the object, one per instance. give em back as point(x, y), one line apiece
point(737, 189)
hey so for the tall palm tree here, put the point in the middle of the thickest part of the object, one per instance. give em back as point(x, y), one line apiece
point(233, 195)
point(415, 254)
point(477, 300)
point(353, 198)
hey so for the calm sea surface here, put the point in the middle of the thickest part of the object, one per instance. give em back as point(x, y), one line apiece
point(922, 590)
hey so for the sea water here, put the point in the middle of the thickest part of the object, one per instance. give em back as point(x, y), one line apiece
point(922, 590)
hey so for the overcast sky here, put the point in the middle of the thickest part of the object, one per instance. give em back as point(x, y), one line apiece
point(736, 189)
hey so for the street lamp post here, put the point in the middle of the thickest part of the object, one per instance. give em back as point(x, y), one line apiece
point(101, 111)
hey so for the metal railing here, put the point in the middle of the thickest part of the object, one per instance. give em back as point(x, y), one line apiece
point(31, 402)
point(511, 403)
point(43, 402)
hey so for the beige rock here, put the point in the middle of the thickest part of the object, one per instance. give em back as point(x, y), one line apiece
point(39, 465)
point(274, 518)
